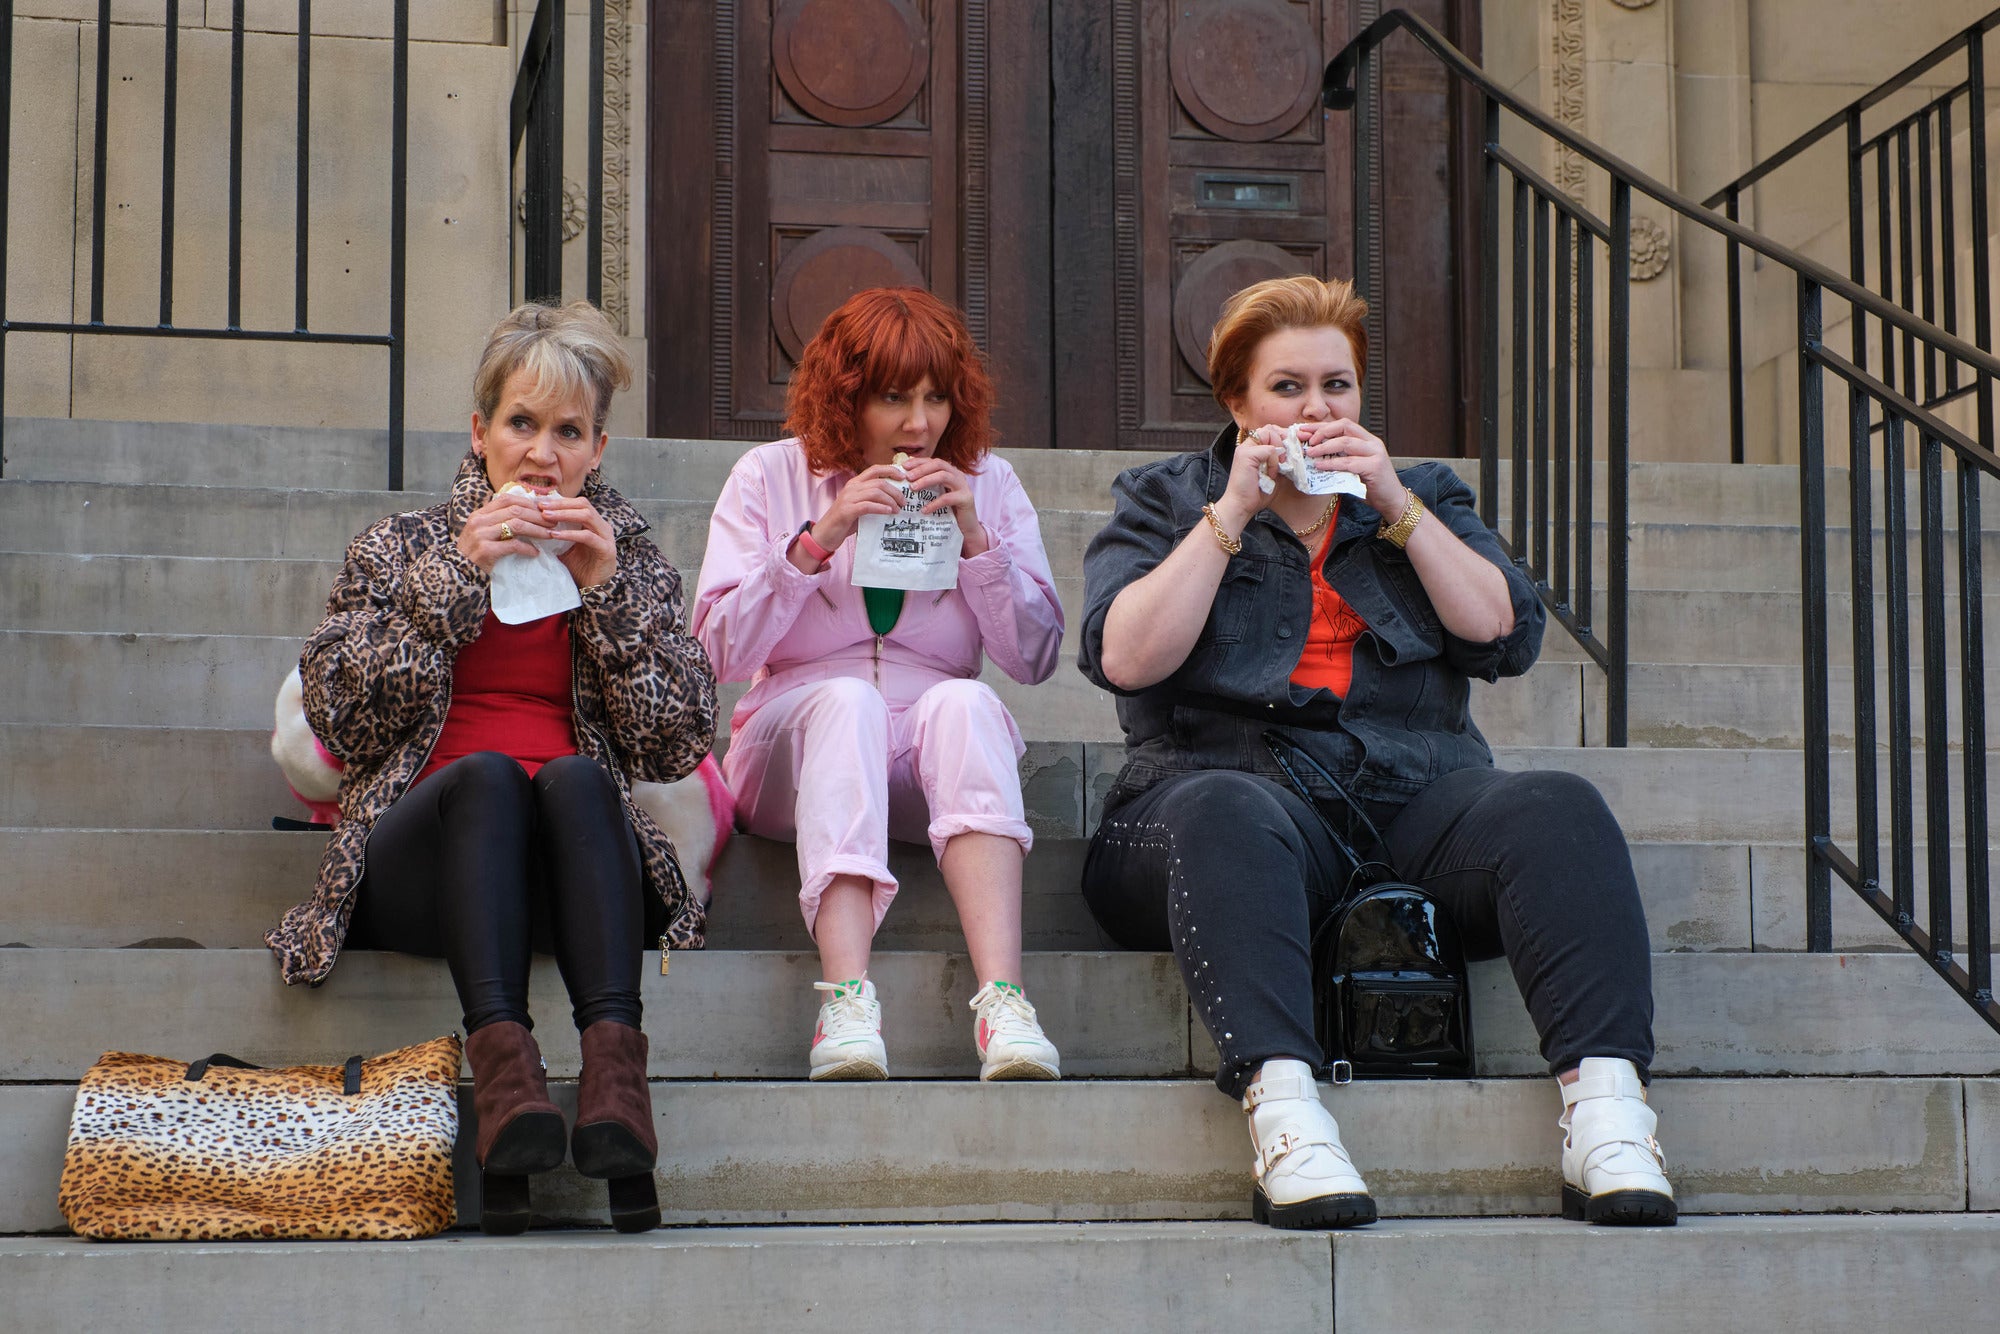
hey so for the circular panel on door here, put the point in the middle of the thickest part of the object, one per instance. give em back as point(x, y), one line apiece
point(827, 268)
point(1214, 277)
point(1245, 69)
point(850, 62)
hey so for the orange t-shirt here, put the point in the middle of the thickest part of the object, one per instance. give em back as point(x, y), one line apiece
point(1326, 661)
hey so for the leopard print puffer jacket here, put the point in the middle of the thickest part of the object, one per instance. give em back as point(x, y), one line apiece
point(377, 676)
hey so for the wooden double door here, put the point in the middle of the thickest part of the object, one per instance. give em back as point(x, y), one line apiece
point(1086, 179)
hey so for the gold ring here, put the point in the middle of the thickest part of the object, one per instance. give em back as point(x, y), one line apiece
point(506, 531)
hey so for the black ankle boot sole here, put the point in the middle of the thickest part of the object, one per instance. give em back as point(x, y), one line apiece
point(607, 1150)
point(504, 1209)
point(532, 1142)
point(1328, 1211)
point(635, 1204)
point(1619, 1208)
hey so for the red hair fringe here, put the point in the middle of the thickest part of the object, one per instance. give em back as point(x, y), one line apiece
point(882, 339)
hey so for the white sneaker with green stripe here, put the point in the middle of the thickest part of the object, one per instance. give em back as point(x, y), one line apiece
point(847, 1044)
point(1009, 1038)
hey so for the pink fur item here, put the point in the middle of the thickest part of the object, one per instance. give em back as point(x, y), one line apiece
point(310, 769)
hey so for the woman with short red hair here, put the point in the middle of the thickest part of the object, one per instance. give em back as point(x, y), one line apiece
point(866, 720)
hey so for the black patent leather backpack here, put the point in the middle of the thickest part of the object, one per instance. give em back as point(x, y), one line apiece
point(1390, 992)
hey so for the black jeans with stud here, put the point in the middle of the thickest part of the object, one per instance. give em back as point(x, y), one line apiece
point(1232, 872)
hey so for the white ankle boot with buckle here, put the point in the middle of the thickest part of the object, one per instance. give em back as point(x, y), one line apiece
point(847, 1044)
point(1303, 1174)
point(1613, 1171)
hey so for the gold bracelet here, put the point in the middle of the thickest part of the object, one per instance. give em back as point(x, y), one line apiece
point(1398, 533)
point(1232, 545)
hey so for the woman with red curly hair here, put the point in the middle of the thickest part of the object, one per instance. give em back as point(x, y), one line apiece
point(866, 721)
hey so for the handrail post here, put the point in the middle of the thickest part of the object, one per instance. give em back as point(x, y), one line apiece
point(1812, 588)
point(1489, 305)
point(6, 167)
point(1736, 444)
point(543, 279)
point(399, 171)
point(1618, 428)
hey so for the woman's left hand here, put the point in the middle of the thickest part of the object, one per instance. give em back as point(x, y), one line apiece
point(1343, 445)
point(954, 493)
point(593, 554)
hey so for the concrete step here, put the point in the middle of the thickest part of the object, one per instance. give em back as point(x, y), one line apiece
point(148, 680)
point(1513, 1276)
point(111, 888)
point(74, 776)
point(286, 596)
point(961, 1151)
point(747, 1014)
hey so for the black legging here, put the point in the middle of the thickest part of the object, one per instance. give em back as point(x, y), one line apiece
point(1216, 866)
point(481, 865)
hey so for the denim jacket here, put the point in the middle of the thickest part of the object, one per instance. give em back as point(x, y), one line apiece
point(1406, 719)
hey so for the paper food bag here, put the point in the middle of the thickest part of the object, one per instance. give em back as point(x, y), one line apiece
point(911, 550)
point(527, 588)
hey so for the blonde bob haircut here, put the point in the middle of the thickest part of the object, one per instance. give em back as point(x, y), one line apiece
point(570, 351)
point(1262, 309)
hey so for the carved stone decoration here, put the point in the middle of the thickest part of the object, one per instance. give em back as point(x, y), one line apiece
point(575, 209)
point(1247, 70)
point(1633, 4)
point(1567, 78)
point(1651, 249)
point(850, 62)
point(615, 241)
point(1214, 276)
point(827, 268)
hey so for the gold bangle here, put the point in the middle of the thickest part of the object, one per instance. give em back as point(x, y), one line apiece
point(1232, 545)
point(1398, 533)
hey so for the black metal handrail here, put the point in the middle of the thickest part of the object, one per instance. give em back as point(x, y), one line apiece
point(232, 329)
point(536, 114)
point(1916, 246)
point(1350, 73)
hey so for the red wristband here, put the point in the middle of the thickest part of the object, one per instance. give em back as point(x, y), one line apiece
point(813, 548)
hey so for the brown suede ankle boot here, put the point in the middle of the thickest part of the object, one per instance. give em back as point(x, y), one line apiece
point(520, 1130)
point(614, 1137)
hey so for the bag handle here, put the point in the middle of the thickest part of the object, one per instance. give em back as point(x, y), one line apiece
point(1279, 744)
point(350, 1071)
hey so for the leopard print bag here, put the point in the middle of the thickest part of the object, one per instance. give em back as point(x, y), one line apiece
point(161, 1150)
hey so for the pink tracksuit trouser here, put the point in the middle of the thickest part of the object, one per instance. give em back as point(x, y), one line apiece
point(840, 770)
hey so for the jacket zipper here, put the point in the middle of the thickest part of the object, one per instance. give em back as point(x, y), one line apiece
point(878, 664)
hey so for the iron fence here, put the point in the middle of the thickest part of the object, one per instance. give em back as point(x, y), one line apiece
point(537, 115)
point(232, 329)
point(1882, 416)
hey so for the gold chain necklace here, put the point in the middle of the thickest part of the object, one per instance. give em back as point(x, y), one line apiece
point(1331, 505)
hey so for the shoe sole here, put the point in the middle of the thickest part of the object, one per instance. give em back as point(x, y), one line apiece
point(1619, 1208)
point(1325, 1212)
point(607, 1150)
point(1019, 1069)
point(846, 1071)
point(532, 1142)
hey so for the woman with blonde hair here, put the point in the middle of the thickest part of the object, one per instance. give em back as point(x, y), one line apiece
point(489, 721)
point(865, 722)
point(1229, 608)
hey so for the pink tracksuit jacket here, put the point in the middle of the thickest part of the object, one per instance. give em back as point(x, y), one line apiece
point(847, 738)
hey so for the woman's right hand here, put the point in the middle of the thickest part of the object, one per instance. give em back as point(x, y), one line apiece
point(482, 542)
point(1256, 458)
point(874, 490)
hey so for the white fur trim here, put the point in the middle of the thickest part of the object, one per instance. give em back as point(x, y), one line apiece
point(683, 813)
point(297, 750)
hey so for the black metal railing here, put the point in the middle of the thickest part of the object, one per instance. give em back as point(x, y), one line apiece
point(1912, 164)
point(232, 329)
point(537, 115)
point(1942, 449)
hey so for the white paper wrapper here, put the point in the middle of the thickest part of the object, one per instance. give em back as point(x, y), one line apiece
point(911, 550)
point(1313, 480)
point(527, 588)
